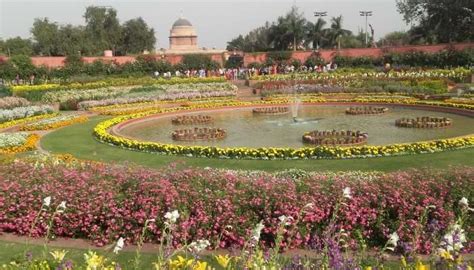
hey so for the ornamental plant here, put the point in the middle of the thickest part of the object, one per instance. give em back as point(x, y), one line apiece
point(55, 122)
point(12, 143)
point(369, 210)
point(102, 202)
point(24, 112)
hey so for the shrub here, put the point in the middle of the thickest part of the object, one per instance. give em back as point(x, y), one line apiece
point(107, 201)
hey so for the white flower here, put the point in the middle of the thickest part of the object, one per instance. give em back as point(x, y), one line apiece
point(119, 246)
point(150, 220)
point(346, 193)
point(464, 202)
point(284, 220)
point(172, 216)
point(309, 205)
point(47, 201)
point(61, 207)
point(257, 230)
point(392, 241)
point(199, 245)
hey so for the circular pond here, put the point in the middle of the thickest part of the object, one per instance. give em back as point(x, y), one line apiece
point(246, 129)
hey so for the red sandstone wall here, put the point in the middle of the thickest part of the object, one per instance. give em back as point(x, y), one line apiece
point(327, 55)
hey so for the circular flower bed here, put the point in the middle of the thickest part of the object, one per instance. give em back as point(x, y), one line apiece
point(332, 137)
point(199, 134)
point(424, 122)
point(366, 110)
point(191, 119)
point(271, 110)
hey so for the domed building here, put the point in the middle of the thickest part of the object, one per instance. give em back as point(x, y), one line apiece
point(183, 36)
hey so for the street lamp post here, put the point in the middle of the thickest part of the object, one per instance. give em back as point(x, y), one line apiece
point(320, 14)
point(366, 13)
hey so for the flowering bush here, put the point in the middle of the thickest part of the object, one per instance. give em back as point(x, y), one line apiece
point(56, 122)
point(12, 143)
point(457, 75)
point(26, 120)
point(24, 112)
point(12, 102)
point(106, 202)
point(319, 152)
point(172, 96)
point(23, 89)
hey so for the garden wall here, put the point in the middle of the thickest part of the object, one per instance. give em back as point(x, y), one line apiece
point(58, 61)
point(328, 55)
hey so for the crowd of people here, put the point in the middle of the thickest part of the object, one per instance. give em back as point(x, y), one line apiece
point(244, 73)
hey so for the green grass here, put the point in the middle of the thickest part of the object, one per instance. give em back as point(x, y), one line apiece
point(15, 252)
point(78, 141)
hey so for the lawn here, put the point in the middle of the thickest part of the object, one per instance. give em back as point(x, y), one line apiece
point(14, 251)
point(78, 141)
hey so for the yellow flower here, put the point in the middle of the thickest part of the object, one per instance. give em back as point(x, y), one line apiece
point(446, 255)
point(368, 268)
point(93, 260)
point(223, 260)
point(421, 266)
point(200, 266)
point(180, 262)
point(58, 255)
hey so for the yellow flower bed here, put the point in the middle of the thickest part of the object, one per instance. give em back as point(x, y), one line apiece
point(27, 120)
point(133, 108)
point(318, 152)
point(113, 82)
point(54, 124)
point(29, 145)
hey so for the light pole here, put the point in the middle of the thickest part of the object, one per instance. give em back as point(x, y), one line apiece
point(366, 13)
point(320, 14)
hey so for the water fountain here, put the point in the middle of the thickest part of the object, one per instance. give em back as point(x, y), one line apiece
point(294, 108)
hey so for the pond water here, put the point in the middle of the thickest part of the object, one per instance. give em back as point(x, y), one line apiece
point(245, 129)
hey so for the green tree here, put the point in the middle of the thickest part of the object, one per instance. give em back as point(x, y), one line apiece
point(289, 30)
point(137, 36)
point(198, 61)
point(396, 38)
point(316, 34)
point(237, 43)
point(23, 65)
point(17, 46)
point(103, 28)
point(439, 20)
point(336, 32)
point(73, 40)
point(45, 34)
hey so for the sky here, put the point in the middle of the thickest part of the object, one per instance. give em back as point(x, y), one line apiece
point(216, 21)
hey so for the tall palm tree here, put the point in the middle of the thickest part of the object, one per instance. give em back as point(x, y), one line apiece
point(336, 31)
point(315, 33)
point(289, 30)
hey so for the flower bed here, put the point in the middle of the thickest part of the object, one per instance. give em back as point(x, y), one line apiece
point(199, 134)
point(101, 131)
point(56, 122)
point(12, 143)
point(13, 102)
point(198, 91)
point(12, 116)
point(271, 110)
point(191, 119)
point(458, 74)
point(366, 110)
point(24, 89)
point(105, 202)
point(335, 138)
point(27, 120)
point(424, 122)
